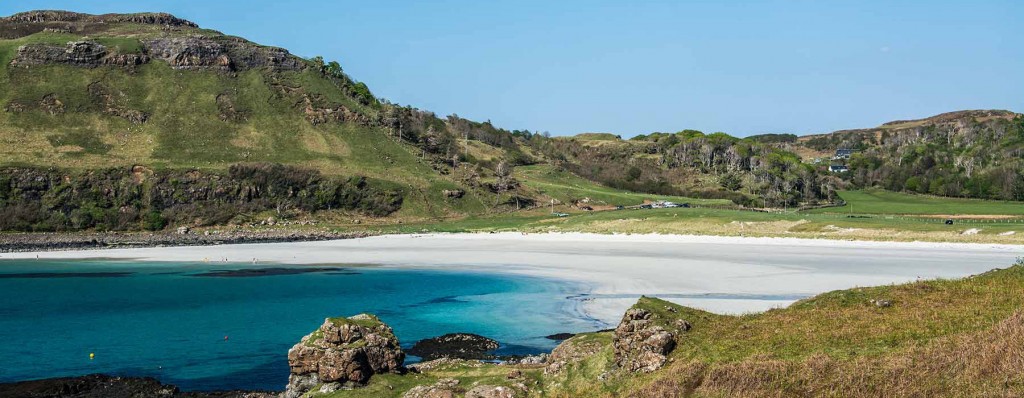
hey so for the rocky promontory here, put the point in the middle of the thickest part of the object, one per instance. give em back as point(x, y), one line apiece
point(343, 352)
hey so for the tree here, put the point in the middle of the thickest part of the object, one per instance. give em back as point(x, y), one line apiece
point(730, 181)
point(633, 173)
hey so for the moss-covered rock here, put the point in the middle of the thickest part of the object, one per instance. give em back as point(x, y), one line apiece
point(343, 352)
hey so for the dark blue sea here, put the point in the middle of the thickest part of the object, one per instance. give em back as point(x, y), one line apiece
point(212, 326)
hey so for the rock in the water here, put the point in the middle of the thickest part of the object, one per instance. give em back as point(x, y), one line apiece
point(455, 345)
point(560, 336)
point(103, 386)
point(346, 351)
point(640, 345)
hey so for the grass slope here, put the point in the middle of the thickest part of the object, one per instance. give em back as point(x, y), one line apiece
point(186, 129)
point(567, 187)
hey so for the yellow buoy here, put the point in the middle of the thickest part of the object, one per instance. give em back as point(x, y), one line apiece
point(92, 355)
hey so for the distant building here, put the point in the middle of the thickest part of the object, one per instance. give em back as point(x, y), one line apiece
point(838, 168)
point(843, 153)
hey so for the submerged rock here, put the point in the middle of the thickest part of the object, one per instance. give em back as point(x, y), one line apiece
point(346, 351)
point(455, 345)
point(641, 345)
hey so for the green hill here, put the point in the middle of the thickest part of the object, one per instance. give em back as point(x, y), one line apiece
point(158, 93)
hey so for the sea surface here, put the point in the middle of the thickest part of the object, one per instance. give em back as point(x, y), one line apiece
point(217, 325)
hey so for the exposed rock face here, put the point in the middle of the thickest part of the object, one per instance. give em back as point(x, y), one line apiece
point(346, 351)
point(640, 345)
point(148, 18)
point(455, 345)
point(226, 54)
point(189, 52)
point(85, 53)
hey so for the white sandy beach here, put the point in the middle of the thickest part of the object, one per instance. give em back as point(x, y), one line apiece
point(719, 274)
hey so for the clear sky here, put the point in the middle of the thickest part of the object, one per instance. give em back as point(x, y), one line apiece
point(629, 67)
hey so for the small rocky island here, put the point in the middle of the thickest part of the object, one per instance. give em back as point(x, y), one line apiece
point(455, 345)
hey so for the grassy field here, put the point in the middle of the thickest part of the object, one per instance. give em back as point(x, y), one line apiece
point(715, 221)
point(877, 201)
point(960, 337)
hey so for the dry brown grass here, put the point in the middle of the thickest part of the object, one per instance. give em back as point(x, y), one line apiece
point(989, 363)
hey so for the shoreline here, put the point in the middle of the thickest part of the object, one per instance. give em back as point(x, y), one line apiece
point(44, 242)
point(20, 242)
point(728, 275)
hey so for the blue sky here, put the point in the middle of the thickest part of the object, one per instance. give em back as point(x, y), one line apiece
point(570, 66)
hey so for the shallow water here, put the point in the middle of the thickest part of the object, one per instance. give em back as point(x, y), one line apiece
point(196, 326)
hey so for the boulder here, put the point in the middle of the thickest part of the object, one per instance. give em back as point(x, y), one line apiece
point(485, 391)
point(346, 351)
point(641, 345)
point(454, 193)
point(455, 345)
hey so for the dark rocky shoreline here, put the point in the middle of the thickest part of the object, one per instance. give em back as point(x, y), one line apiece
point(104, 386)
point(27, 242)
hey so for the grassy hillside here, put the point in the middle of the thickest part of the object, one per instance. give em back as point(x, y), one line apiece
point(167, 95)
point(567, 187)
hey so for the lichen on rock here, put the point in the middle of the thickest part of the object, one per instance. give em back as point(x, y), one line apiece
point(346, 351)
point(641, 345)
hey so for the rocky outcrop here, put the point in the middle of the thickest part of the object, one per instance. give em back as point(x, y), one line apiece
point(455, 345)
point(220, 53)
point(485, 391)
point(454, 193)
point(444, 388)
point(641, 345)
point(102, 95)
point(343, 352)
point(571, 352)
point(83, 53)
point(189, 52)
point(147, 18)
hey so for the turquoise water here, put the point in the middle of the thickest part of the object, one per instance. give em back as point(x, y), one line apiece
point(170, 320)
